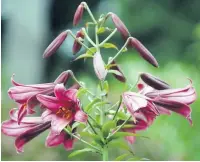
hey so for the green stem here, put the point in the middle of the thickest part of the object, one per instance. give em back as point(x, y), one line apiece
point(105, 153)
point(82, 140)
point(119, 127)
point(70, 32)
point(105, 40)
point(94, 121)
point(87, 37)
point(102, 110)
point(92, 127)
point(119, 52)
point(120, 101)
point(89, 12)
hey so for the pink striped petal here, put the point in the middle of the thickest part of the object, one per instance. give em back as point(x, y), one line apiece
point(54, 140)
point(21, 113)
point(80, 116)
point(68, 144)
point(51, 103)
point(59, 91)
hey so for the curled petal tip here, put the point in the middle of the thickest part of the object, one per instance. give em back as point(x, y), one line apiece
point(52, 48)
point(143, 51)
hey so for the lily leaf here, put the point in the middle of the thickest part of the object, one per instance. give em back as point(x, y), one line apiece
point(90, 105)
point(121, 157)
point(91, 51)
point(83, 56)
point(120, 144)
point(77, 152)
point(109, 45)
point(101, 30)
point(80, 92)
point(124, 134)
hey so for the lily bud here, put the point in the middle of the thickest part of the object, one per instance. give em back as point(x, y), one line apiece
point(77, 46)
point(63, 77)
point(121, 77)
point(78, 14)
point(134, 43)
point(52, 48)
point(154, 81)
point(99, 67)
point(120, 26)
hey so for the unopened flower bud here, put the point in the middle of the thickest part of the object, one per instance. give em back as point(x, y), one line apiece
point(154, 81)
point(121, 77)
point(52, 48)
point(134, 43)
point(99, 67)
point(77, 46)
point(63, 77)
point(120, 26)
point(78, 14)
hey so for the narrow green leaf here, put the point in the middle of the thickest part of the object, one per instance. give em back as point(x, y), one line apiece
point(91, 51)
point(106, 86)
point(107, 127)
point(101, 30)
point(76, 124)
point(83, 56)
point(90, 105)
point(135, 158)
point(109, 45)
point(77, 152)
point(80, 92)
point(98, 140)
point(119, 144)
point(124, 134)
point(121, 157)
point(122, 115)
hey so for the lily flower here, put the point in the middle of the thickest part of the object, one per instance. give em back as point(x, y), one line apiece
point(29, 128)
point(25, 95)
point(62, 109)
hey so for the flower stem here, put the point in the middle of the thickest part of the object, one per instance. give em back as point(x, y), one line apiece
point(120, 101)
point(105, 153)
point(119, 127)
point(82, 140)
point(87, 37)
point(89, 12)
point(92, 127)
point(105, 40)
point(119, 52)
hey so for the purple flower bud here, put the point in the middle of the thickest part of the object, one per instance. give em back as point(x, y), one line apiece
point(78, 14)
point(154, 81)
point(77, 46)
point(52, 48)
point(99, 68)
point(120, 26)
point(63, 77)
point(121, 77)
point(134, 43)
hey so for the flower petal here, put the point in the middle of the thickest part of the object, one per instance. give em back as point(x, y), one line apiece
point(59, 91)
point(80, 116)
point(54, 140)
point(68, 144)
point(21, 113)
point(58, 124)
point(52, 103)
point(29, 135)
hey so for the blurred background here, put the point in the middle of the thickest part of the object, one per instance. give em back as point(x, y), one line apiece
point(170, 29)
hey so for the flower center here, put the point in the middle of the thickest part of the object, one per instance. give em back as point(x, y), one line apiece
point(64, 112)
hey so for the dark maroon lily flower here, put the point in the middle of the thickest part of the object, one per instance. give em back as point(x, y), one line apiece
point(29, 128)
point(25, 95)
point(177, 100)
point(143, 51)
point(99, 66)
point(78, 14)
point(57, 42)
point(77, 46)
point(120, 26)
point(121, 77)
point(62, 109)
point(138, 103)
